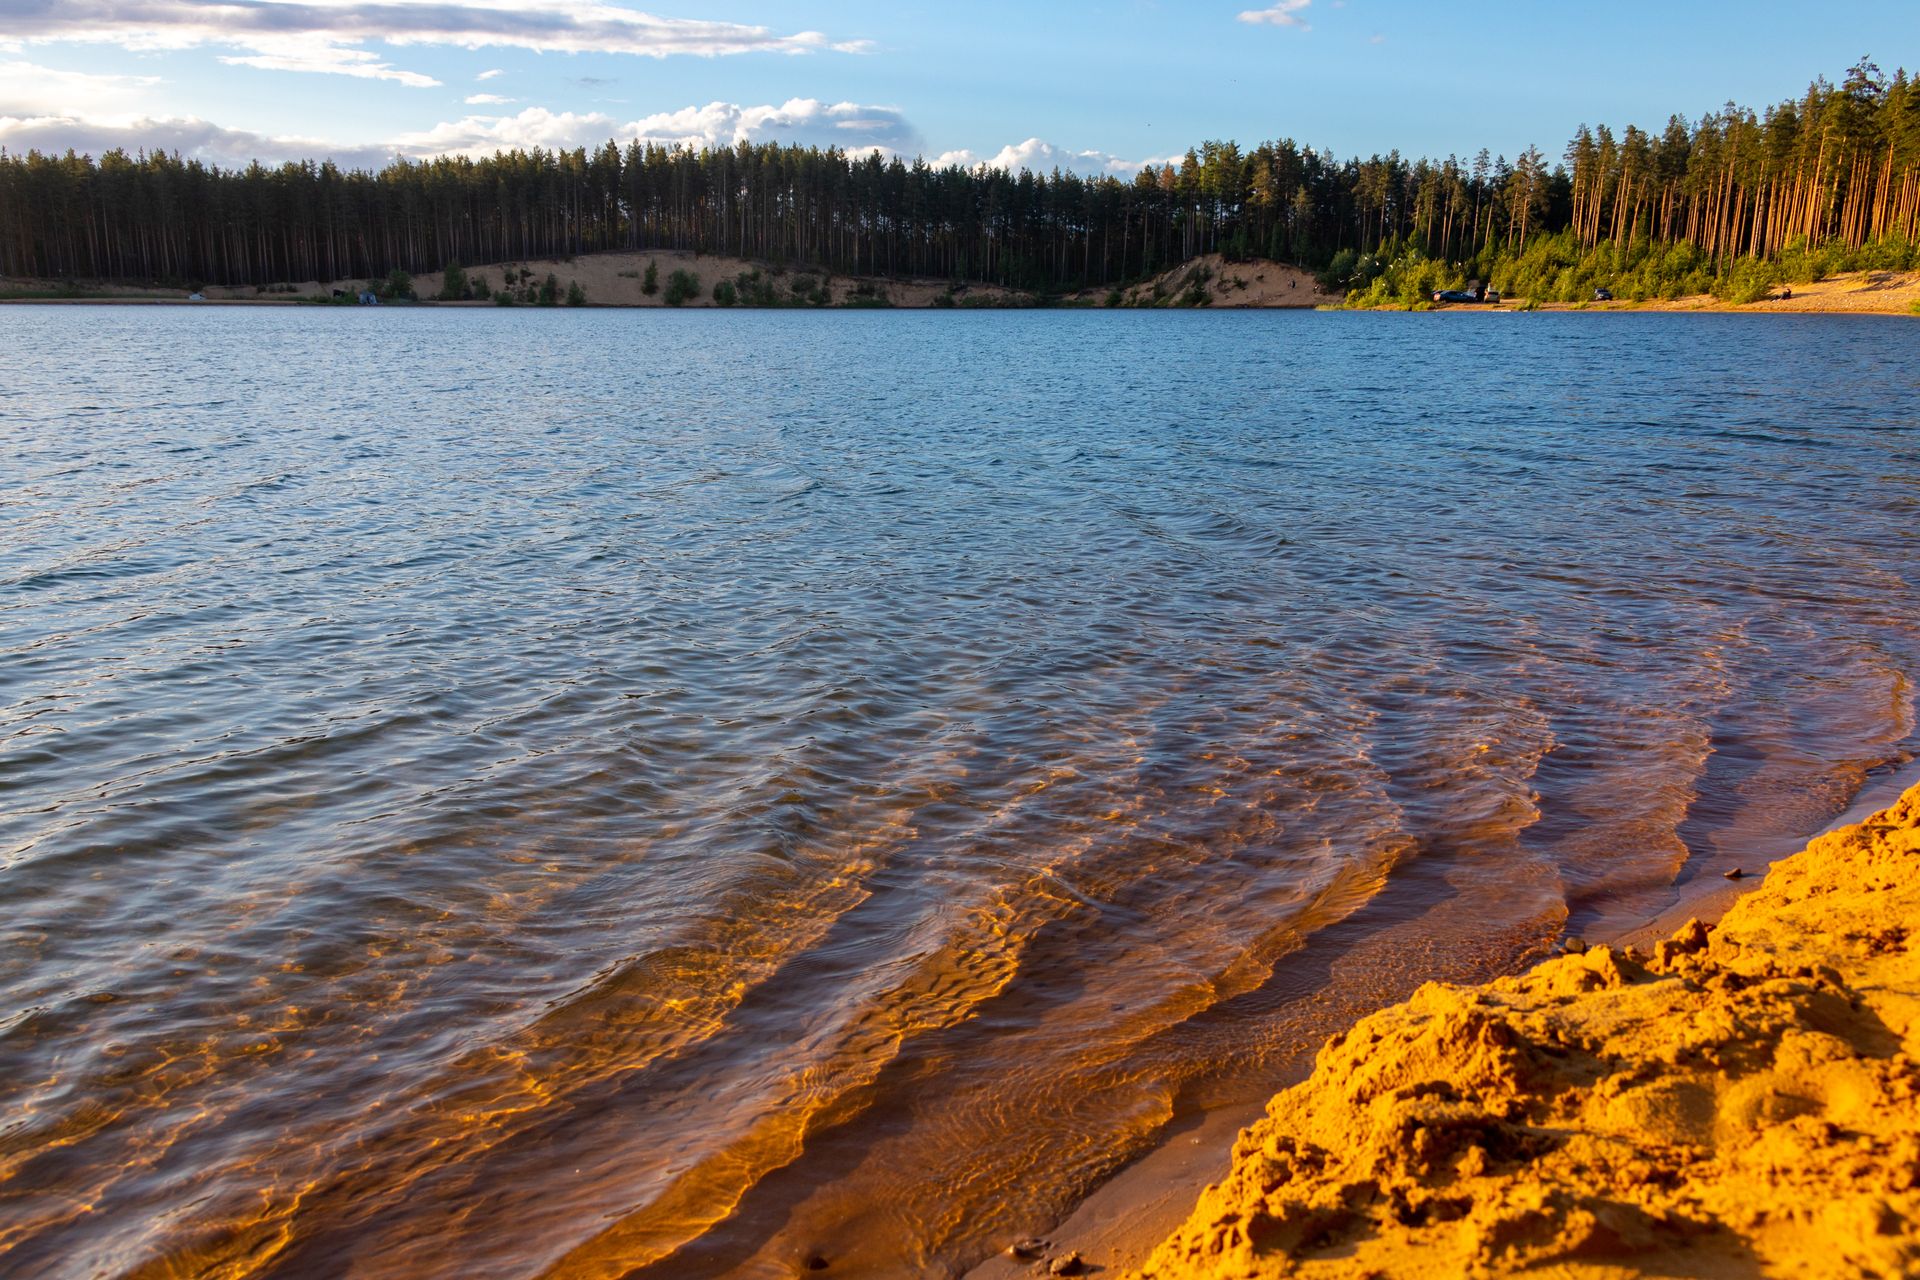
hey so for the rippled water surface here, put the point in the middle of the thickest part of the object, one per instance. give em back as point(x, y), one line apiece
point(498, 794)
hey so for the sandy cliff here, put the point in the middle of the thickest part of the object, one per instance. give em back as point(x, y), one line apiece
point(1743, 1101)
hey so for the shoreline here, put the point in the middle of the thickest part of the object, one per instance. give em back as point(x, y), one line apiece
point(1741, 1100)
point(615, 280)
point(1118, 1224)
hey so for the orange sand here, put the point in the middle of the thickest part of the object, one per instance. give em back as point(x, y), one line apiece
point(1742, 1102)
point(1869, 292)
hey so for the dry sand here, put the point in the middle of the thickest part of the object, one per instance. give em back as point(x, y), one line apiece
point(1856, 292)
point(1254, 283)
point(617, 279)
point(1741, 1101)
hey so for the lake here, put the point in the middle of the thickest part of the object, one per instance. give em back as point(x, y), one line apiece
point(614, 793)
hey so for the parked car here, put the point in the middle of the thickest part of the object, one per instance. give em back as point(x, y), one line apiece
point(1603, 295)
point(1493, 299)
point(1453, 295)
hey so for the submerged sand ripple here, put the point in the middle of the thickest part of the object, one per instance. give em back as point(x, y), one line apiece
point(1744, 1101)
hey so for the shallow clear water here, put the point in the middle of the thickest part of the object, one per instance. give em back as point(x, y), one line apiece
point(492, 794)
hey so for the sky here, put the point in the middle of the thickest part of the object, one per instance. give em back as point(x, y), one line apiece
point(1093, 85)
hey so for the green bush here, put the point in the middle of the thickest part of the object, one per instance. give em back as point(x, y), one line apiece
point(550, 291)
point(650, 284)
point(576, 296)
point(724, 294)
point(682, 287)
point(453, 284)
point(399, 284)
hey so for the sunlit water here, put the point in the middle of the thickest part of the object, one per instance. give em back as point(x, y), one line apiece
point(493, 794)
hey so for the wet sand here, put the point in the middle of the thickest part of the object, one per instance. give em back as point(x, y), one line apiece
point(1120, 1224)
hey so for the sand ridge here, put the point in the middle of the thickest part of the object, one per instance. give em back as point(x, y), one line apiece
point(1741, 1101)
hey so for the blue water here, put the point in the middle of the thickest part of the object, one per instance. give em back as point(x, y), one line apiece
point(490, 793)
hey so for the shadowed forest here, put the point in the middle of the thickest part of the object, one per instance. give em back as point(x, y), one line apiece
point(1725, 203)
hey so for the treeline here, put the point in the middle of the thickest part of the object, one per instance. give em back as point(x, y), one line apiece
point(1840, 165)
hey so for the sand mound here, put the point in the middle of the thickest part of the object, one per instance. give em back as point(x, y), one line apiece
point(1744, 1101)
point(1212, 281)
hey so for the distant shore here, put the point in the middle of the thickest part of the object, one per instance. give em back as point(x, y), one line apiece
point(642, 278)
point(1209, 282)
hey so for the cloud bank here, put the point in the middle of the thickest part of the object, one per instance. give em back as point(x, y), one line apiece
point(1042, 156)
point(327, 36)
point(54, 111)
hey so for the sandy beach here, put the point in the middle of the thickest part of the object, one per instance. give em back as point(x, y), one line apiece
point(1738, 1099)
point(1124, 1221)
point(1854, 292)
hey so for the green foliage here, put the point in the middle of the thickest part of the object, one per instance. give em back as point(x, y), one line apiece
point(1339, 273)
point(943, 299)
point(725, 294)
point(650, 283)
point(1409, 280)
point(478, 288)
point(504, 298)
point(1197, 294)
point(399, 285)
point(682, 287)
point(550, 291)
point(453, 284)
point(576, 296)
point(1115, 298)
point(754, 290)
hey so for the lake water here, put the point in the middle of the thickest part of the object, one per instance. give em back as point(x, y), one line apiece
point(509, 793)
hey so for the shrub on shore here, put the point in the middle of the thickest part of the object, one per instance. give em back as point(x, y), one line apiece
point(682, 287)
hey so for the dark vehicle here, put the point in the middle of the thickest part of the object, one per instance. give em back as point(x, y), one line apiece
point(1453, 295)
point(1603, 295)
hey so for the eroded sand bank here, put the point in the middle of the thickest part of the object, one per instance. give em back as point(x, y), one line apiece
point(1741, 1101)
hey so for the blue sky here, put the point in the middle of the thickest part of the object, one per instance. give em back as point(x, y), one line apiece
point(1100, 85)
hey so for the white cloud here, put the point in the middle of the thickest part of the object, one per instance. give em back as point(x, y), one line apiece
point(273, 53)
point(196, 139)
point(30, 90)
point(484, 135)
point(490, 73)
point(1284, 14)
point(486, 100)
point(1043, 157)
point(849, 126)
point(327, 35)
point(805, 121)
